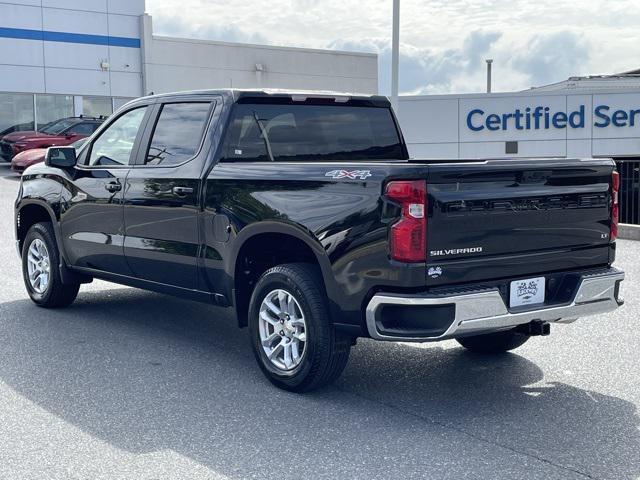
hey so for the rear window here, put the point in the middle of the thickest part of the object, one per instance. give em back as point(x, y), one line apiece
point(82, 129)
point(58, 127)
point(263, 132)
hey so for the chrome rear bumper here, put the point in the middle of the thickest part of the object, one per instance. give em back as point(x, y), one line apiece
point(485, 311)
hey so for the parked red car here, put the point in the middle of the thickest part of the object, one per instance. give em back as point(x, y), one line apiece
point(36, 155)
point(63, 132)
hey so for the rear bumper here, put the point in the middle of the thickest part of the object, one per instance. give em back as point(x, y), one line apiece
point(475, 312)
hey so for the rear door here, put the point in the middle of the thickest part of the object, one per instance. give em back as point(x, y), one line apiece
point(162, 195)
point(505, 218)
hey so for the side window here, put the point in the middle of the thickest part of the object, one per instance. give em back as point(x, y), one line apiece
point(114, 145)
point(82, 129)
point(178, 133)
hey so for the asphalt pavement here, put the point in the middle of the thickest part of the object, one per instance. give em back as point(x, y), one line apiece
point(127, 384)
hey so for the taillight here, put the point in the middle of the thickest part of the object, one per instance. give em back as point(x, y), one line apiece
point(615, 205)
point(408, 236)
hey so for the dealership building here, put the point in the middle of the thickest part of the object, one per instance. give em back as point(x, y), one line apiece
point(61, 58)
point(595, 116)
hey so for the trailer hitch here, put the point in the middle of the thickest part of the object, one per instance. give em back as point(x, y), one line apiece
point(535, 328)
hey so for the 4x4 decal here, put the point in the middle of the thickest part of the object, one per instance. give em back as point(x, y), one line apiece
point(351, 174)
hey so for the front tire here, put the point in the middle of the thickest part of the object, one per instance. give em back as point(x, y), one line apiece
point(40, 261)
point(294, 342)
point(498, 342)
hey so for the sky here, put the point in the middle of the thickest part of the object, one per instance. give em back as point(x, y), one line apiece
point(443, 43)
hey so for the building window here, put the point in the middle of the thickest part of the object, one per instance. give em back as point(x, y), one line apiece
point(118, 102)
point(16, 112)
point(50, 108)
point(97, 106)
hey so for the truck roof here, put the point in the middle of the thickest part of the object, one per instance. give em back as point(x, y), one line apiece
point(238, 93)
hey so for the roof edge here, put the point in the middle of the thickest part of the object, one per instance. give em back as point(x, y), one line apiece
point(263, 46)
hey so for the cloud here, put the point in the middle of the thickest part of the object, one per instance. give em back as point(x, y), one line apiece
point(519, 62)
point(444, 42)
point(477, 44)
point(553, 57)
point(425, 70)
point(178, 27)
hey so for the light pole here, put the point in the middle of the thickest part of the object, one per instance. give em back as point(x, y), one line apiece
point(489, 62)
point(395, 54)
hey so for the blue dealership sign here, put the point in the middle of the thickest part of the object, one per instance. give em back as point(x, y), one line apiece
point(543, 118)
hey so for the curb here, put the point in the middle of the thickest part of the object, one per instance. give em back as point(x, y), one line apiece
point(629, 232)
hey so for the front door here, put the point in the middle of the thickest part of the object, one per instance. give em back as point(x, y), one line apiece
point(92, 221)
point(162, 194)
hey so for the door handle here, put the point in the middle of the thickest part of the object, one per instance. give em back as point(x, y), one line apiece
point(113, 187)
point(182, 191)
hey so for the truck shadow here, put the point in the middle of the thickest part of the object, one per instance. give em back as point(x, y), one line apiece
point(147, 373)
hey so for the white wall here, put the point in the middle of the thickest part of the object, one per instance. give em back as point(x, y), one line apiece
point(66, 67)
point(43, 63)
point(436, 126)
point(172, 64)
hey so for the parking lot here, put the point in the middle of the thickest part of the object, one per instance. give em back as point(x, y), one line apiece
point(127, 384)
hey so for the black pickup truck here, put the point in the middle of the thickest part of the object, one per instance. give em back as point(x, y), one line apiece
point(304, 214)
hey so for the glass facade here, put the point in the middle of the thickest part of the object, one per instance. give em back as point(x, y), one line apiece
point(16, 112)
point(118, 102)
point(97, 106)
point(26, 111)
point(50, 108)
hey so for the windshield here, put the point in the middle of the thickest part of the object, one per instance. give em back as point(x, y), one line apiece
point(263, 132)
point(57, 127)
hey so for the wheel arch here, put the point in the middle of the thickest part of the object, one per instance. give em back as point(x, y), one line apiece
point(31, 211)
point(273, 243)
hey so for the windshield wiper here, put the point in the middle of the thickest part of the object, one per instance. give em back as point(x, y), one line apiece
point(265, 135)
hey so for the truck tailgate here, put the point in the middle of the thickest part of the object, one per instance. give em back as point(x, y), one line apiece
point(515, 218)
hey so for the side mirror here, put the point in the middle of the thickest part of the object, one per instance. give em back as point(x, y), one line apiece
point(60, 157)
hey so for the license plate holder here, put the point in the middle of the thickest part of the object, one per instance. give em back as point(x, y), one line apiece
point(528, 291)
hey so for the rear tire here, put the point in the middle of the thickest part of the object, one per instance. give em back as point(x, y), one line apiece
point(40, 260)
point(498, 342)
point(288, 311)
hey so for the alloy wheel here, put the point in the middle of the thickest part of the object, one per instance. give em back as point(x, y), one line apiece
point(38, 266)
point(283, 330)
